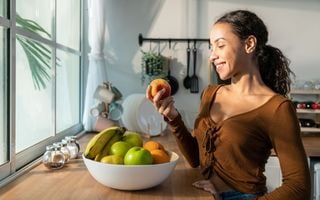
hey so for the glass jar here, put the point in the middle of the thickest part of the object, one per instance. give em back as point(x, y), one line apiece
point(53, 158)
point(65, 150)
point(73, 146)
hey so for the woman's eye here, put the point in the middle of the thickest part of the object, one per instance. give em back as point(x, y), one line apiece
point(221, 46)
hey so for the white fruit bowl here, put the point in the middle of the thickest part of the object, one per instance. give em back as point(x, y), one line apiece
point(131, 177)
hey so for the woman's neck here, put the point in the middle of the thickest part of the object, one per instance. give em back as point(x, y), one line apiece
point(248, 84)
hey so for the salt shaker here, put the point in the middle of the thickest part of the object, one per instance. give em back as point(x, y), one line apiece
point(53, 158)
point(65, 150)
point(72, 145)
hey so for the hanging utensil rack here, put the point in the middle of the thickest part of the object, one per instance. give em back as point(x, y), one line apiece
point(141, 39)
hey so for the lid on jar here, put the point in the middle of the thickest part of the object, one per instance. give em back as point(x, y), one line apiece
point(49, 147)
point(56, 148)
point(72, 138)
point(66, 141)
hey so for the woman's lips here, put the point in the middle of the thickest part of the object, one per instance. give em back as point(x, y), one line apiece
point(219, 66)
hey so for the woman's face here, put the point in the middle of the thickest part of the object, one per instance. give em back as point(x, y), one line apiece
point(228, 51)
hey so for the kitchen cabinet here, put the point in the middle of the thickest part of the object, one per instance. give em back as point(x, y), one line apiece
point(307, 95)
point(273, 173)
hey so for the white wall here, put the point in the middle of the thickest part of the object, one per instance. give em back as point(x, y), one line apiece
point(293, 26)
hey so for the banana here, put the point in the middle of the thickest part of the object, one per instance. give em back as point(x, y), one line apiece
point(96, 144)
point(105, 151)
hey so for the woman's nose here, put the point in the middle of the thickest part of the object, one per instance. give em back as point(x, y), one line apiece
point(213, 56)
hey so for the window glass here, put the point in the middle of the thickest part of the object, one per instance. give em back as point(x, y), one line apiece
point(3, 96)
point(68, 90)
point(34, 93)
point(35, 16)
point(2, 8)
point(68, 23)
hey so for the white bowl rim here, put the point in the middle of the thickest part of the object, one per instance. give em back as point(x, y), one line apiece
point(173, 159)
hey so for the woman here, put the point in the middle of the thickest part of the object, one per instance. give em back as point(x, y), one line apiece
point(238, 124)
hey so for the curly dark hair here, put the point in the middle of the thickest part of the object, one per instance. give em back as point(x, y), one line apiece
point(273, 65)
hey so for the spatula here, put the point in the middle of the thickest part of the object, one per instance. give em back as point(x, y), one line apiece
point(187, 79)
point(194, 79)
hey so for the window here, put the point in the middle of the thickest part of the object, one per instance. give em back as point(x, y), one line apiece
point(3, 106)
point(4, 98)
point(45, 81)
point(68, 91)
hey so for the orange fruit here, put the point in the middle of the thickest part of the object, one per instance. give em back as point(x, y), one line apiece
point(159, 156)
point(157, 85)
point(151, 145)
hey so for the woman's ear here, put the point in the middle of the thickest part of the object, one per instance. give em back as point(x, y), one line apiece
point(250, 44)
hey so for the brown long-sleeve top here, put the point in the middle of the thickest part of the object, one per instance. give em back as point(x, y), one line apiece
point(237, 149)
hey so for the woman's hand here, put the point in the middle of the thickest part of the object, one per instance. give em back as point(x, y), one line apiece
point(206, 185)
point(165, 107)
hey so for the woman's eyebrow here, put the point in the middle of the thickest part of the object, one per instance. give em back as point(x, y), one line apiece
point(216, 40)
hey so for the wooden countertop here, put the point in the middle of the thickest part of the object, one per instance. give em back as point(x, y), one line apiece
point(74, 181)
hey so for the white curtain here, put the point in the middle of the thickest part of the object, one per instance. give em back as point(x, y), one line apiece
point(97, 72)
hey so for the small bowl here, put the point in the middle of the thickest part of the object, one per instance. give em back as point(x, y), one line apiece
point(131, 177)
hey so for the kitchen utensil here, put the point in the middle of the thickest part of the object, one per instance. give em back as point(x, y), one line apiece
point(174, 84)
point(115, 111)
point(104, 93)
point(194, 79)
point(187, 79)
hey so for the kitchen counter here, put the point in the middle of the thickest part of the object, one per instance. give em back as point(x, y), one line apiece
point(74, 181)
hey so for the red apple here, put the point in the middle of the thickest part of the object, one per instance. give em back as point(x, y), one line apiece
point(157, 85)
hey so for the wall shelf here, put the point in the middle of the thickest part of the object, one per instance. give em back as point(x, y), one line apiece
point(310, 111)
point(310, 130)
point(305, 91)
point(300, 94)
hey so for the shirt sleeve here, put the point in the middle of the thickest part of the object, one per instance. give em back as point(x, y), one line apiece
point(285, 137)
point(187, 143)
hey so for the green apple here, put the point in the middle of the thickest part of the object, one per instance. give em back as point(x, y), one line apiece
point(132, 138)
point(119, 148)
point(113, 159)
point(138, 156)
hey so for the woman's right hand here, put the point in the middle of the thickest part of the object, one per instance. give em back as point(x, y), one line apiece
point(165, 106)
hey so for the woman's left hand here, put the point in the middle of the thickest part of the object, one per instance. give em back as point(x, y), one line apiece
point(206, 185)
point(164, 106)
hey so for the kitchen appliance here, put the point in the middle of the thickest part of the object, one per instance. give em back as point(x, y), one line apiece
point(174, 84)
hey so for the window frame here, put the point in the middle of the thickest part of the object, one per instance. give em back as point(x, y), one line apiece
point(26, 159)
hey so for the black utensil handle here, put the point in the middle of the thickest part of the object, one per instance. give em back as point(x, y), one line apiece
point(147, 67)
point(188, 60)
point(194, 59)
